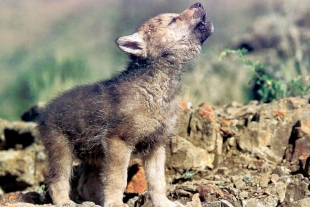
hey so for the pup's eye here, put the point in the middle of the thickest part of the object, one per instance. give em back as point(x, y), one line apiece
point(173, 20)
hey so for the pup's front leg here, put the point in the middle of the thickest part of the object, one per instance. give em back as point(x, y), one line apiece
point(154, 164)
point(115, 172)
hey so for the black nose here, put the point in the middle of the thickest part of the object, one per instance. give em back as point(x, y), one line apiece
point(197, 5)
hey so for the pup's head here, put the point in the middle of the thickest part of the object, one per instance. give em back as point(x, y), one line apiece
point(180, 35)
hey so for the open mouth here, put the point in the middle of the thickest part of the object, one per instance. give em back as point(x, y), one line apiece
point(202, 23)
point(204, 17)
point(205, 28)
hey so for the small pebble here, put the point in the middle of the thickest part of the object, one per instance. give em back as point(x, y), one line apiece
point(274, 178)
point(244, 194)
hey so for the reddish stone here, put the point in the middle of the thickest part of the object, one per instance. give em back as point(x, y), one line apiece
point(224, 123)
point(302, 148)
point(280, 114)
point(18, 197)
point(184, 105)
point(11, 198)
point(205, 110)
point(136, 175)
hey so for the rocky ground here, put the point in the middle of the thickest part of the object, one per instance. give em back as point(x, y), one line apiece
point(254, 155)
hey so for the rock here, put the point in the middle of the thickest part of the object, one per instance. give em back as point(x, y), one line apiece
point(184, 121)
point(22, 169)
point(18, 197)
point(264, 180)
point(269, 201)
point(239, 183)
point(183, 155)
point(269, 137)
point(230, 156)
point(206, 192)
point(17, 135)
point(281, 171)
point(297, 191)
point(244, 194)
point(302, 148)
point(305, 165)
point(221, 203)
point(304, 202)
point(281, 190)
point(201, 127)
point(226, 204)
point(84, 204)
point(22, 157)
point(195, 201)
point(136, 177)
point(274, 178)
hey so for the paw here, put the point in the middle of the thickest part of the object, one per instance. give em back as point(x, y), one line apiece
point(68, 205)
point(64, 202)
point(195, 201)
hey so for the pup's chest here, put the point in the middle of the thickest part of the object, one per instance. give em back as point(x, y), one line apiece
point(151, 115)
point(149, 106)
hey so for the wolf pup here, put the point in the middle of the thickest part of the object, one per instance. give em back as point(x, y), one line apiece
point(135, 112)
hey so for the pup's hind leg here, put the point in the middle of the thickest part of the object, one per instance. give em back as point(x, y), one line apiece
point(60, 161)
point(90, 185)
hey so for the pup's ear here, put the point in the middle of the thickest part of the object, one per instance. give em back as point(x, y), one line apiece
point(132, 44)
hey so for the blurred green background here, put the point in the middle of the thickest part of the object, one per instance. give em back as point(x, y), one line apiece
point(48, 46)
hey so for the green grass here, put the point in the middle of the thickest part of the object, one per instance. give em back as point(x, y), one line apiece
point(46, 78)
point(268, 88)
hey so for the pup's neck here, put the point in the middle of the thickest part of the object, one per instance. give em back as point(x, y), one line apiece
point(162, 75)
point(169, 66)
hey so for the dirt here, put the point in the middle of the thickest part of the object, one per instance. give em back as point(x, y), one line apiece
point(254, 155)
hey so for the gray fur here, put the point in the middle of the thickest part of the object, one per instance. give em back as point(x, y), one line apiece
point(136, 111)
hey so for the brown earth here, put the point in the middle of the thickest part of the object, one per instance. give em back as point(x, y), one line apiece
point(254, 155)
